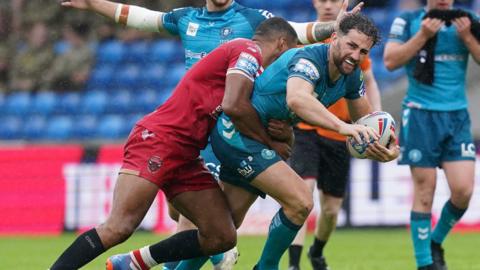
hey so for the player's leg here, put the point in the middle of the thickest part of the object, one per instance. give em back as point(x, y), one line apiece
point(304, 161)
point(459, 167)
point(424, 183)
point(333, 174)
point(132, 198)
point(290, 191)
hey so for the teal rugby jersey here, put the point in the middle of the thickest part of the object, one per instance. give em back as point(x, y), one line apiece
point(451, 58)
point(202, 31)
point(269, 93)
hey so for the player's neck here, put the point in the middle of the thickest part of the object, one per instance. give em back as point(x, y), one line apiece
point(211, 7)
point(333, 72)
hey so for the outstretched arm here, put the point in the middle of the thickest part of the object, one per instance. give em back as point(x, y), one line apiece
point(312, 32)
point(127, 15)
point(301, 101)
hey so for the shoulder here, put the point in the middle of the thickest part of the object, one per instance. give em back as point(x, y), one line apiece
point(316, 53)
point(178, 13)
point(252, 15)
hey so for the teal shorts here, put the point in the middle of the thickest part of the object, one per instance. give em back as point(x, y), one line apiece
point(241, 164)
point(429, 138)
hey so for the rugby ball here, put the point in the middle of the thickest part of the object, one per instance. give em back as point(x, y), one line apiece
point(382, 122)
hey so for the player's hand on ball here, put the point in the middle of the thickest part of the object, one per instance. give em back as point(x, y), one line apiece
point(280, 130)
point(283, 149)
point(378, 152)
point(80, 4)
point(360, 133)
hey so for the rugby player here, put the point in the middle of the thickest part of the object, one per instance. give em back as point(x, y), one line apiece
point(162, 152)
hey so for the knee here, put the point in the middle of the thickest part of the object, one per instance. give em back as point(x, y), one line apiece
point(115, 233)
point(461, 197)
point(300, 208)
point(219, 240)
point(330, 212)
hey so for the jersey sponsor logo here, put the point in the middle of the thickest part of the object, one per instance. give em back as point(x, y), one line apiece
point(154, 163)
point(265, 13)
point(228, 125)
point(268, 154)
point(468, 150)
point(450, 57)
point(247, 63)
point(245, 169)
point(194, 55)
point(192, 29)
point(307, 69)
point(398, 27)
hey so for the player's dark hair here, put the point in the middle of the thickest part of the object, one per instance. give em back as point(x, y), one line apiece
point(362, 24)
point(274, 27)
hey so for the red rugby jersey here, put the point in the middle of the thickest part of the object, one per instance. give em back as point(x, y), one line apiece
point(188, 116)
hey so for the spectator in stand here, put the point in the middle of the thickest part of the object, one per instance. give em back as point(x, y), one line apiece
point(70, 70)
point(5, 29)
point(30, 62)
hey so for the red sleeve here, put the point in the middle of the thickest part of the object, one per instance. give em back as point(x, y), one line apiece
point(245, 58)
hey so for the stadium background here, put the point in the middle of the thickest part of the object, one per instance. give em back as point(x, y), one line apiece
point(60, 148)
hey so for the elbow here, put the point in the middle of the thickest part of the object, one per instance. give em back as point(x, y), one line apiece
point(389, 63)
point(294, 102)
point(232, 110)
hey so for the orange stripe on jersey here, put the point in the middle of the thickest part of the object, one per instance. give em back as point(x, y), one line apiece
point(122, 19)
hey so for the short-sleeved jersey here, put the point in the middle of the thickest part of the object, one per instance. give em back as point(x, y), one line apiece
point(187, 117)
point(202, 31)
point(451, 58)
point(269, 93)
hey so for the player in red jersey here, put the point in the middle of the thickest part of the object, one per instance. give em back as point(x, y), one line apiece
point(162, 152)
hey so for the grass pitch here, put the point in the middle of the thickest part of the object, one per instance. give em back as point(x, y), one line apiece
point(372, 249)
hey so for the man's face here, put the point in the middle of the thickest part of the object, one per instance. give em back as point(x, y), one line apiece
point(440, 4)
point(327, 10)
point(220, 3)
point(349, 50)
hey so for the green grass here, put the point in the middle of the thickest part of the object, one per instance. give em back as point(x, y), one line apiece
point(348, 250)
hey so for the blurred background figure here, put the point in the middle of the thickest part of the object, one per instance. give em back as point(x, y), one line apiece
point(70, 69)
point(32, 59)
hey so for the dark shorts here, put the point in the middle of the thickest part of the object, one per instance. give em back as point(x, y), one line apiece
point(240, 165)
point(428, 138)
point(159, 160)
point(321, 158)
point(211, 161)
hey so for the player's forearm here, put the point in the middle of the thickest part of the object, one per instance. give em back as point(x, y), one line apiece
point(138, 17)
point(473, 46)
point(372, 91)
point(313, 32)
point(309, 109)
point(247, 122)
point(397, 55)
point(103, 7)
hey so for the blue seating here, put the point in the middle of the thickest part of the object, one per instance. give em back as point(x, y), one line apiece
point(174, 74)
point(112, 127)
point(101, 76)
point(68, 103)
point(137, 52)
point(59, 128)
point(121, 102)
point(34, 127)
point(85, 127)
point(18, 103)
point(44, 102)
point(153, 76)
point(111, 52)
point(94, 102)
point(164, 51)
point(127, 77)
point(11, 128)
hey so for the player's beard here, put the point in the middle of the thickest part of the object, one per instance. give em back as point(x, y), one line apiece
point(340, 63)
point(220, 3)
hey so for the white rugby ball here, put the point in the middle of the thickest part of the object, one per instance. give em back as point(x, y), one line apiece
point(382, 122)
